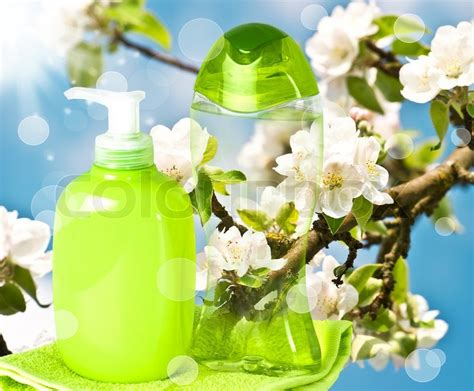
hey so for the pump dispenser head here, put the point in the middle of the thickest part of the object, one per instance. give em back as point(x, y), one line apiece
point(123, 146)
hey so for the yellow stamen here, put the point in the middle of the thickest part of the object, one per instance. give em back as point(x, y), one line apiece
point(371, 169)
point(453, 70)
point(175, 173)
point(333, 180)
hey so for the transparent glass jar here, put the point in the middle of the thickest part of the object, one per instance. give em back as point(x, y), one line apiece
point(254, 91)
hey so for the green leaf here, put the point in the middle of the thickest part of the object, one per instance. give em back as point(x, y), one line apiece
point(371, 290)
point(220, 188)
point(470, 109)
point(389, 86)
point(439, 112)
point(287, 217)
point(376, 226)
point(405, 26)
point(138, 20)
point(402, 280)
point(362, 210)
point(384, 321)
point(361, 275)
point(423, 156)
point(333, 224)
point(211, 150)
point(427, 324)
point(366, 346)
point(250, 281)
point(456, 106)
point(385, 24)
point(363, 93)
point(402, 343)
point(22, 277)
point(203, 193)
point(11, 299)
point(229, 177)
point(255, 219)
point(409, 48)
point(84, 64)
point(262, 271)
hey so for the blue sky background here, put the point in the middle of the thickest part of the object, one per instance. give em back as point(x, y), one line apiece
point(441, 267)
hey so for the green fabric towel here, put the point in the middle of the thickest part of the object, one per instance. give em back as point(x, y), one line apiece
point(43, 369)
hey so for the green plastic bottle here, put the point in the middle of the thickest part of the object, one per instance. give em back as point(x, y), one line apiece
point(124, 256)
point(254, 90)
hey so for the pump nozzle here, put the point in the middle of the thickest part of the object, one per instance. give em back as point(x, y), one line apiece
point(124, 112)
point(123, 146)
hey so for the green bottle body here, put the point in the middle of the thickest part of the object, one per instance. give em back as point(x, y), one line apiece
point(123, 274)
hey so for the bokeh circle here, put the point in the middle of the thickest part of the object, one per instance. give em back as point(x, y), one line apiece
point(182, 370)
point(33, 130)
point(47, 217)
point(445, 226)
point(399, 146)
point(460, 137)
point(169, 287)
point(112, 81)
point(422, 365)
point(45, 199)
point(441, 355)
point(409, 28)
point(311, 16)
point(66, 324)
point(301, 298)
point(197, 36)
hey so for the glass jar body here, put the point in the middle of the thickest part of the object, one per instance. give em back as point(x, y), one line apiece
point(255, 315)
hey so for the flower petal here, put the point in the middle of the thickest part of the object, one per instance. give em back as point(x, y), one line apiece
point(29, 239)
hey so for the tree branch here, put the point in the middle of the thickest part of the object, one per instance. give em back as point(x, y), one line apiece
point(159, 56)
point(434, 183)
point(387, 61)
point(226, 219)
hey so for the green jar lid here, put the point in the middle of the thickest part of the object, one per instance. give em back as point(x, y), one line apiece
point(254, 67)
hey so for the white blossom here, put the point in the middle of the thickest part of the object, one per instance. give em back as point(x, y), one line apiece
point(335, 45)
point(302, 170)
point(358, 17)
point(180, 150)
point(349, 169)
point(421, 324)
point(271, 201)
point(24, 242)
point(449, 64)
point(301, 165)
point(430, 329)
point(337, 100)
point(340, 137)
point(269, 140)
point(420, 80)
point(452, 53)
point(207, 273)
point(332, 302)
point(332, 49)
point(375, 176)
point(232, 251)
point(341, 183)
